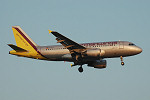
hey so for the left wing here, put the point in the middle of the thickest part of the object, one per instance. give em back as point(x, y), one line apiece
point(72, 46)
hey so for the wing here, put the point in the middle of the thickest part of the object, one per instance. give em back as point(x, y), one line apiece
point(72, 46)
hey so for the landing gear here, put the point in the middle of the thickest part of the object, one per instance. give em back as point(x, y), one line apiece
point(122, 63)
point(80, 69)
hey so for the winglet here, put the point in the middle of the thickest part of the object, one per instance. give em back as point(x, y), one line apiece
point(49, 31)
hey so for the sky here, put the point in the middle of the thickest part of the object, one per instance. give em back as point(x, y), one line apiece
point(82, 21)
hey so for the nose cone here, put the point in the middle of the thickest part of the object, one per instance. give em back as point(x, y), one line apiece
point(138, 50)
point(133, 50)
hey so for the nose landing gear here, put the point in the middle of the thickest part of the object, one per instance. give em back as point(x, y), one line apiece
point(122, 63)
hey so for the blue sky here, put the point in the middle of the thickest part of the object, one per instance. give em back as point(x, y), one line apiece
point(81, 21)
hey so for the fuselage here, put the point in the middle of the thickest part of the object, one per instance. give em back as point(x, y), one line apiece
point(110, 49)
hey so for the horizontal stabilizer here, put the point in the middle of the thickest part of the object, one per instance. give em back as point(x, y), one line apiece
point(17, 49)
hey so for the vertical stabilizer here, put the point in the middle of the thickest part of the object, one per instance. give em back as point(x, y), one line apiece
point(25, 45)
point(22, 39)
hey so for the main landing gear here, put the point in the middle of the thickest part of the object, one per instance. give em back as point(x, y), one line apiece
point(80, 69)
point(122, 63)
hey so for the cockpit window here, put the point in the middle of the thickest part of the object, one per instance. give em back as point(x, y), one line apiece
point(131, 44)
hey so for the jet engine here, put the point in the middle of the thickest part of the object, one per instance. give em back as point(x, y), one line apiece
point(98, 64)
point(93, 53)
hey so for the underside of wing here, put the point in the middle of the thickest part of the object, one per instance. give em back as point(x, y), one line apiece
point(68, 43)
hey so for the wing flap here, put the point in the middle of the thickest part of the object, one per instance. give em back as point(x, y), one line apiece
point(59, 41)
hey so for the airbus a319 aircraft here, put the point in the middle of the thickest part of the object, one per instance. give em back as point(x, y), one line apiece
point(92, 54)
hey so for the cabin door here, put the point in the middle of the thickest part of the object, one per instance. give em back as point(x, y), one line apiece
point(121, 45)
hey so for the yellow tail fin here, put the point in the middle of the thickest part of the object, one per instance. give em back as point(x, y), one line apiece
point(25, 44)
point(22, 39)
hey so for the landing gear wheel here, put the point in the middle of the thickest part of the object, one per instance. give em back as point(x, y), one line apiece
point(80, 69)
point(122, 63)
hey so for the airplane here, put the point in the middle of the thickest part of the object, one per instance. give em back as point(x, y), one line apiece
point(92, 54)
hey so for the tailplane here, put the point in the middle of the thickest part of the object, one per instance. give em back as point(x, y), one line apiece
point(17, 49)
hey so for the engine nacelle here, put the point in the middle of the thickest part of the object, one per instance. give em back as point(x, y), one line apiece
point(94, 53)
point(98, 64)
